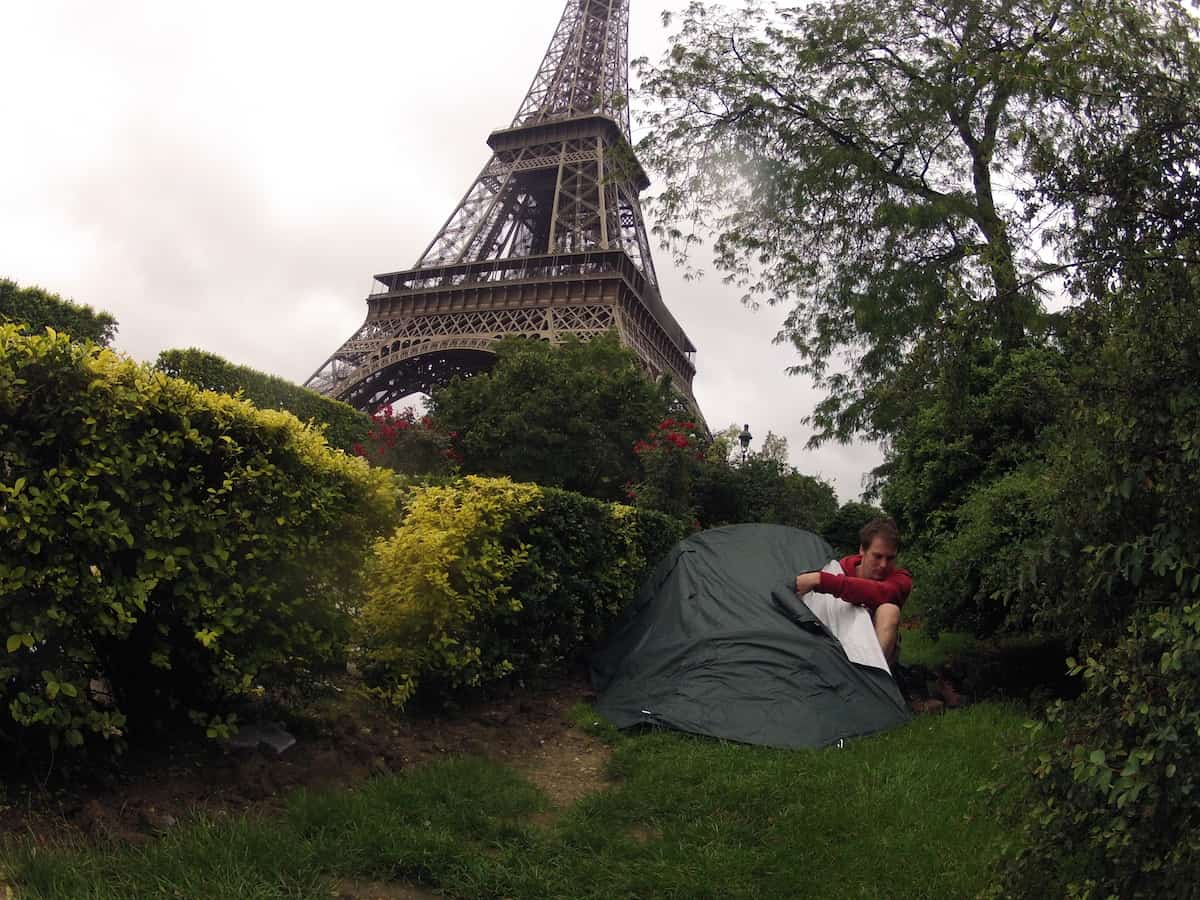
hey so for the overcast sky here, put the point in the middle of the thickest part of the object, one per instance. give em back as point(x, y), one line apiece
point(230, 175)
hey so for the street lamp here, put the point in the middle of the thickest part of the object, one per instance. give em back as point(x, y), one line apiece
point(744, 439)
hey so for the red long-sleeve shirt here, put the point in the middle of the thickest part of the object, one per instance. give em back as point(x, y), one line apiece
point(863, 591)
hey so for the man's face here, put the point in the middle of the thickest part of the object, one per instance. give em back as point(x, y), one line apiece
point(878, 560)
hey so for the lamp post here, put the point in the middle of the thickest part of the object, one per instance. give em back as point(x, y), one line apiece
point(744, 439)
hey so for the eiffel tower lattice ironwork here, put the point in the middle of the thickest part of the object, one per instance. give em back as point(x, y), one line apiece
point(549, 241)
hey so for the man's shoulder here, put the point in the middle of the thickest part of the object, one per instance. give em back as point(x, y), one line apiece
point(850, 563)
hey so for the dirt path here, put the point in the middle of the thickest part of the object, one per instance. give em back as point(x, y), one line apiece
point(153, 792)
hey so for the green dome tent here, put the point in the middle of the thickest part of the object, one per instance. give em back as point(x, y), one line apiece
point(717, 643)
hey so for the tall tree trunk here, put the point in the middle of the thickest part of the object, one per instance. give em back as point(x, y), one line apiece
point(1009, 300)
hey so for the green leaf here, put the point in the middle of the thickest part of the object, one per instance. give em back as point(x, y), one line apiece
point(14, 643)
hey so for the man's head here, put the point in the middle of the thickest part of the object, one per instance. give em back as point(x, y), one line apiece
point(879, 542)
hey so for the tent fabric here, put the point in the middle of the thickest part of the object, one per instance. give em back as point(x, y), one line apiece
point(718, 644)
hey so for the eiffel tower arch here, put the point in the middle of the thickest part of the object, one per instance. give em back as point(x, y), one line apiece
point(549, 240)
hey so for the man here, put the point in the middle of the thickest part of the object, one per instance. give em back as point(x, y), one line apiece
point(871, 581)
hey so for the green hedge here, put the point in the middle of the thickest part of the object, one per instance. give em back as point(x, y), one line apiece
point(344, 425)
point(38, 310)
point(161, 547)
point(487, 580)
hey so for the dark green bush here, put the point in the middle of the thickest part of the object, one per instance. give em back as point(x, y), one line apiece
point(344, 425)
point(160, 547)
point(1120, 567)
point(970, 578)
point(38, 310)
point(487, 580)
point(1119, 794)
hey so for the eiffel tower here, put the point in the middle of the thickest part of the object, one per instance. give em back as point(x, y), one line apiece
point(548, 242)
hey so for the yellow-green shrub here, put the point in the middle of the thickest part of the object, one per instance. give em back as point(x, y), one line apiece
point(486, 579)
point(160, 546)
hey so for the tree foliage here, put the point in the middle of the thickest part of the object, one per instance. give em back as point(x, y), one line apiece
point(38, 310)
point(888, 168)
point(344, 426)
point(562, 416)
point(843, 527)
point(913, 175)
point(762, 490)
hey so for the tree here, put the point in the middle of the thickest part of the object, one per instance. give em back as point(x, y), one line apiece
point(725, 446)
point(760, 490)
point(842, 529)
point(951, 444)
point(774, 448)
point(38, 310)
point(1116, 811)
point(564, 416)
point(885, 165)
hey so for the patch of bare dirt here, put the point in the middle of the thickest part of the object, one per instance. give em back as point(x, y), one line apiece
point(352, 740)
point(566, 768)
point(372, 890)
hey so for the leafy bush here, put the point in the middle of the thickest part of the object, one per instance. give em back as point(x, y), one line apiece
point(670, 457)
point(487, 579)
point(971, 578)
point(1119, 794)
point(408, 445)
point(160, 547)
point(344, 425)
point(38, 310)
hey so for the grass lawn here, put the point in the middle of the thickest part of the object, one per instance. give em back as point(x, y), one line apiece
point(903, 814)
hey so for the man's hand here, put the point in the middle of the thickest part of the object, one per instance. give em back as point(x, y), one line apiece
point(809, 581)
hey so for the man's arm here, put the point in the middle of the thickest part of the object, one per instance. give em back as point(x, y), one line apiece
point(863, 591)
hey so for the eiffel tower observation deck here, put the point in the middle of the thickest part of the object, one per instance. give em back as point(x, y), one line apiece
point(548, 242)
